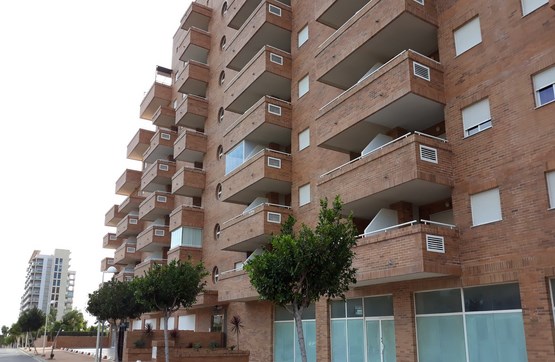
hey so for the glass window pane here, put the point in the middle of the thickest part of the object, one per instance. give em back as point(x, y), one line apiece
point(546, 95)
point(496, 337)
point(378, 306)
point(441, 301)
point(310, 312)
point(354, 308)
point(492, 297)
point(355, 337)
point(283, 314)
point(388, 338)
point(283, 342)
point(234, 158)
point(337, 309)
point(339, 340)
point(176, 237)
point(309, 332)
point(373, 343)
point(441, 339)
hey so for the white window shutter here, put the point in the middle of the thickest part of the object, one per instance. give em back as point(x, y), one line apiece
point(468, 36)
point(551, 188)
point(543, 79)
point(530, 5)
point(476, 114)
point(304, 194)
point(486, 207)
point(304, 139)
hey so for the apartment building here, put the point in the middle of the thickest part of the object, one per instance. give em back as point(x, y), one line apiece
point(49, 283)
point(434, 122)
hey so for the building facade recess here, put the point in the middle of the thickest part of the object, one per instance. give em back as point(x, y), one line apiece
point(432, 120)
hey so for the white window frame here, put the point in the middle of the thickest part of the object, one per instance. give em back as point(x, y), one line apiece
point(552, 292)
point(268, 219)
point(476, 117)
point(302, 36)
point(274, 109)
point(486, 207)
point(165, 136)
point(467, 36)
point(304, 194)
point(529, 6)
point(163, 167)
point(303, 86)
point(304, 139)
point(276, 10)
point(275, 58)
point(550, 178)
point(541, 81)
point(161, 198)
point(274, 159)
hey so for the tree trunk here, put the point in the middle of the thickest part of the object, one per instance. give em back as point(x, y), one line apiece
point(166, 347)
point(298, 313)
point(115, 341)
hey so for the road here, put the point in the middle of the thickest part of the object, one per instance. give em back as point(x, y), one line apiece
point(15, 355)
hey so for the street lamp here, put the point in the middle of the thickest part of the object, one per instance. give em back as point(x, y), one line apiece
point(46, 325)
point(110, 270)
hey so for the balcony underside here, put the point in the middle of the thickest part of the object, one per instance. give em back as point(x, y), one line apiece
point(411, 112)
point(266, 84)
point(405, 32)
point(164, 117)
point(258, 188)
point(340, 11)
point(240, 11)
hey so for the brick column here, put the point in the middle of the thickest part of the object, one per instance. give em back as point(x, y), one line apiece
point(537, 315)
point(404, 211)
point(405, 330)
point(323, 346)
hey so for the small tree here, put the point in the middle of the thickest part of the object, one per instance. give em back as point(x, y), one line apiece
point(297, 270)
point(166, 288)
point(115, 302)
point(236, 326)
point(31, 321)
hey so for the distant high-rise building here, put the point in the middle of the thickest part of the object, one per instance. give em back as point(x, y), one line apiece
point(49, 283)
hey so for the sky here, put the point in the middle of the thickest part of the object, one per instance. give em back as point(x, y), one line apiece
point(72, 77)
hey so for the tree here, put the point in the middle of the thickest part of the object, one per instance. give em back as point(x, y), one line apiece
point(31, 321)
point(236, 326)
point(73, 321)
point(115, 302)
point(15, 332)
point(168, 287)
point(297, 270)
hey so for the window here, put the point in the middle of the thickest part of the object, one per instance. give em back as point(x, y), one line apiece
point(223, 42)
point(484, 321)
point(304, 139)
point(530, 5)
point(302, 36)
point(486, 207)
point(286, 345)
point(224, 8)
point(222, 77)
point(220, 152)
point(217, 231)
point(274, 58)
point(476, 117)
point(551, 188)
point(186, 236)
point(221, 114)
point(552, 289)
point(467, 36)
point(544, 86)
point(240, 154)
point(362, 329)
point(215, 275)
point(304, 194)
point(274, 10)
point(219, 191)
point(303, 86)
point(186, 322)
point(273, 109)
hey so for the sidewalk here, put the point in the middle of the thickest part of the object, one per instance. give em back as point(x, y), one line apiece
point(62, 356)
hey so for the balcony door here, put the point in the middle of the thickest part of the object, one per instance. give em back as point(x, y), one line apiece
point(380, 339)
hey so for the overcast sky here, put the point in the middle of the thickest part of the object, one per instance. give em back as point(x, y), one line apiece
point(73, 74)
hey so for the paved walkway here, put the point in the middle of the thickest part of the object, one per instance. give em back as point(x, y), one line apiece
point(61, 356)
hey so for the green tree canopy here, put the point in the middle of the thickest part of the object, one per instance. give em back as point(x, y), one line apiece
point(297, 270)
point(166, 288)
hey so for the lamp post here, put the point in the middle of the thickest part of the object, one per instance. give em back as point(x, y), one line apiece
point(110, 270)
point(46, 325)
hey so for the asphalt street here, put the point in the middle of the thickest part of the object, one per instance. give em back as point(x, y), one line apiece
point(15, 355)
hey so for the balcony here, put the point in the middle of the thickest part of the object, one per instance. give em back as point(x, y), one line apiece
point(335, 13)
point(190, 146)
point(124, 276)
point(375, 34)
point(164, 117)
point(111, 241)
point(206, 299)
point(235, 286)
point(161, 146)
point(113, 216)
point(129, 226)
point(267, 119)
point(253, 229)
point(158, 176)
point(407, 93)
point(159, 94)
point(156, 206)
point(415, 251)
point(106, 263)
point(154, 238)
point(145, 266)
point(139, 144)
point(131, 204)
point(414, 168)
point(128, 182)
point(269, 24)
point(197, 15)
point(195, 46)
point(189, 182)
point(189, 216)
point(193, 79)
point(268, 73)
point(185, 253)
point(127, 254)
point(267, 171)
point(192, 112)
